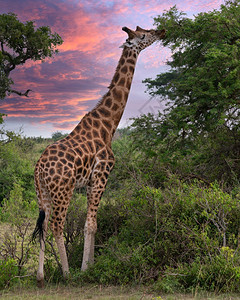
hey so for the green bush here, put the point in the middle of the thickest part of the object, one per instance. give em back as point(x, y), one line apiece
point(8, 273)
point(16, 209)
point(18, 216)
point(74, 229)
point(121, 264)
point(178, 235)
point(16, 168)
point(219, 273)
point(158, 229)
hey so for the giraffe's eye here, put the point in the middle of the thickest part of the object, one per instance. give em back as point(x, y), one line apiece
point(142, 38)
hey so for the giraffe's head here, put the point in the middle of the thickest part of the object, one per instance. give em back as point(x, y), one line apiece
point(141, 38)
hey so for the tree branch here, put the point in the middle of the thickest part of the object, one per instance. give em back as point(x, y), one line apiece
point(55, 254)
point(6, 53)
point(19, 93)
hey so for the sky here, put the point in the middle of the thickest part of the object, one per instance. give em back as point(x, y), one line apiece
point(68, 85)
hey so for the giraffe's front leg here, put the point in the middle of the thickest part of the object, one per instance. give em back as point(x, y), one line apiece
point(57, 223)
point(94, 193)
point(89, 242)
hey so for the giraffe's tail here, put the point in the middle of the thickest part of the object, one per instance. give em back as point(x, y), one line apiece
point(38, 231)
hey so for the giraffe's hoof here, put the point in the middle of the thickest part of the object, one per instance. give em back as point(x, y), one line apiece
point(40, 283)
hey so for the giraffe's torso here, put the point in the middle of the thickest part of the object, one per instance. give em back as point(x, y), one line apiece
point(73, 160)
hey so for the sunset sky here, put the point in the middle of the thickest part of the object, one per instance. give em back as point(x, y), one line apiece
point(70, 84)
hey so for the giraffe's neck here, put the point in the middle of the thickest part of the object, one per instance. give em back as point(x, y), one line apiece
point(113, 103)
point(103, 120)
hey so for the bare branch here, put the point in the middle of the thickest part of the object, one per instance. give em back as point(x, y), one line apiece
point(55, 254)
point(21, 94)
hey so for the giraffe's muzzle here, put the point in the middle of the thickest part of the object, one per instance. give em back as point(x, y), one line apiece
point(126, 29)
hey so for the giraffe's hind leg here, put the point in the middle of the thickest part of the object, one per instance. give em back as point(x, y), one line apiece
point(40, 271)
point(61, 202)
point(63, 255)
point(41, 227)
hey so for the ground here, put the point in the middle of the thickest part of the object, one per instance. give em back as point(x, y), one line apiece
point(101, 293)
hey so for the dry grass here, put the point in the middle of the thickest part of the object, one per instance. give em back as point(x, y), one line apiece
point(101, 293)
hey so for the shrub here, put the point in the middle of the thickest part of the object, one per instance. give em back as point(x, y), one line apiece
point(216, 274)
point(183, 228)
point(74, 229)
point(16, 208)
point(15, 245)
point(15, 168)
point(8, 272)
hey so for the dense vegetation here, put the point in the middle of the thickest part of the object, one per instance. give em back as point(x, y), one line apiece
point(170, 216)
point(156, 223)
point(21, 42)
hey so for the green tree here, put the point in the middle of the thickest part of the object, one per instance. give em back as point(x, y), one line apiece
point(19, 43)
point(16, 167)
point(202, 86)
point(164, 149)
point(198, 135)
point(57, 135)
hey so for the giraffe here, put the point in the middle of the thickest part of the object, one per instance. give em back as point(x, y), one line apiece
point(85, 157)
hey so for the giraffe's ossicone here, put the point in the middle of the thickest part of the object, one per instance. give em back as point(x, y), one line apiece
point(85, 157)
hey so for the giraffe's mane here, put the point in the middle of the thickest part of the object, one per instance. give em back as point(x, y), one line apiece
point(100, 101)
point(112, 84)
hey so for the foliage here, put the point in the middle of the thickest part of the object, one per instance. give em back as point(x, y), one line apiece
point(219, 274)
point(170, 215)
point(209, 156)
point(198, 135)
point(181, 226)
point(58, 135)
point(146, 231)
point(19, 43)
point(15, 242)
point(15, 208)
point(202, 86)
point(16, 245)
point(74, 229)
point(8, 271)
point(16, 168)
point(18, 215)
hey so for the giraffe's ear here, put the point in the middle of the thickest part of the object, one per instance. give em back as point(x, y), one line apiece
point(161, 33)
point(138, 28)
